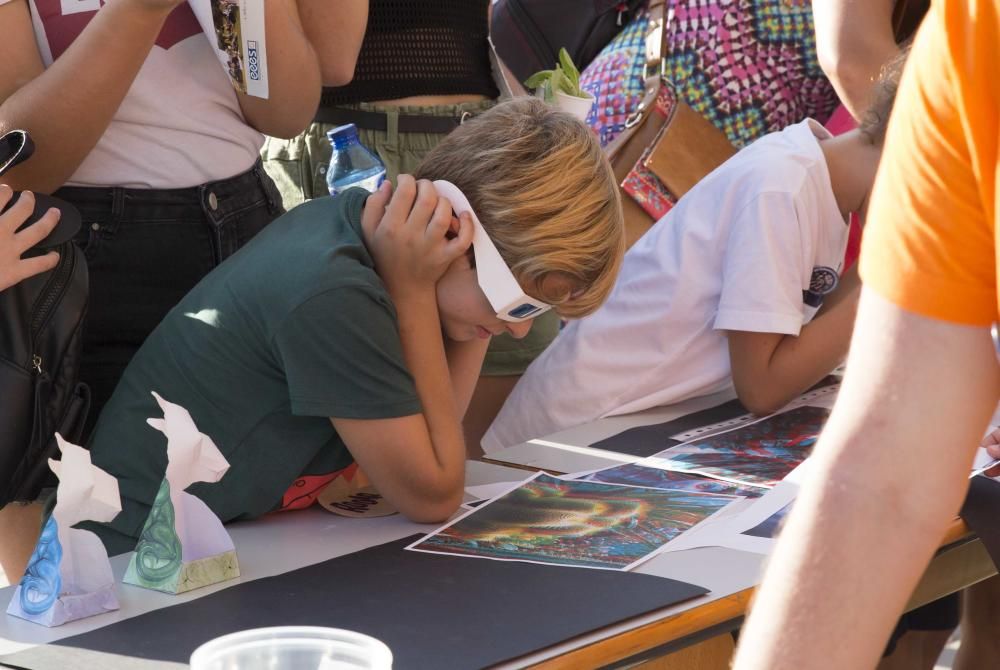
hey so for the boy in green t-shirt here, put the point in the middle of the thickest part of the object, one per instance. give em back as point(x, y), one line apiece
point(353, 328)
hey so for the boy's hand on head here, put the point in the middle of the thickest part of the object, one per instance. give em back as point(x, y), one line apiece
point(14, 244)
point(374, 210)
point(411, 243)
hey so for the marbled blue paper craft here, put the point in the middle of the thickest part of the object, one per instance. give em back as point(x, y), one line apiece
point(68, 575)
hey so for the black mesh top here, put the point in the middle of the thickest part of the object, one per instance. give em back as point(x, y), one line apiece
point(420, 47)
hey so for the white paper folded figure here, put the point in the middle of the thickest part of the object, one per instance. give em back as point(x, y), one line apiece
point(68, 575)
point(183, 544)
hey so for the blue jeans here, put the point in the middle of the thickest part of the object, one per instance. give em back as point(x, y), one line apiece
point(146, 249)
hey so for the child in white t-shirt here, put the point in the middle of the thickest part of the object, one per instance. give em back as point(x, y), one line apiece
point(741, 283)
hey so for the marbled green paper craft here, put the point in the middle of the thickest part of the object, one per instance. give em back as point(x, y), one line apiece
point(183, 545)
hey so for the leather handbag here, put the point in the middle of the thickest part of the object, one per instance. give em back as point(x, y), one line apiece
point(666, 147)
point(40, 347)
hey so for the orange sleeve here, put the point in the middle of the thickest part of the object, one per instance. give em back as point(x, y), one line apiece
point(929, 244)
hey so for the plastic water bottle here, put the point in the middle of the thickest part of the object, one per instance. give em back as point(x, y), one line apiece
point(352, 164)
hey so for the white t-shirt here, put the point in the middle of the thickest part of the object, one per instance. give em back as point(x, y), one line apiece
point(753, 247)
point(180, 123)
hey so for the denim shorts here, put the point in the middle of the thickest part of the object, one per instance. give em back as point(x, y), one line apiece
point(146, 249)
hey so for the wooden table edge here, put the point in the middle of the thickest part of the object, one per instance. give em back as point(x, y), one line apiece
point(686, 628)
point(677, 630)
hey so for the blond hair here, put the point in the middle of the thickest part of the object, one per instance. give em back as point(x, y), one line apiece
point(545, 194)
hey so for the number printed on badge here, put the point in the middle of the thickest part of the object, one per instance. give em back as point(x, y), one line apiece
point(253, 62)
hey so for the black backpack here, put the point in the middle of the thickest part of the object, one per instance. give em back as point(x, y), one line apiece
point(529, 33)
point(40, 347)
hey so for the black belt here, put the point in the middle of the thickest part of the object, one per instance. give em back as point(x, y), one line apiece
point(408, 123)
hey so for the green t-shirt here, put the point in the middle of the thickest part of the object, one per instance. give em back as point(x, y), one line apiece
point(294, 328)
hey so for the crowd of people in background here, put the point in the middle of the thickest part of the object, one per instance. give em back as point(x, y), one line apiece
point(305, 332)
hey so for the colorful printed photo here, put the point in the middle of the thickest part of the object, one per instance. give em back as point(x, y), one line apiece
point(633, 474)
point(226, 17)
point(761, 453)
point(575, 523)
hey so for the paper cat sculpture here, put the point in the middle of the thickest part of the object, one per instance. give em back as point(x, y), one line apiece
point(183, 544)
point(68, 575)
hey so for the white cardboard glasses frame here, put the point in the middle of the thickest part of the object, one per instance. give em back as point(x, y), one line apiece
point(506, 296)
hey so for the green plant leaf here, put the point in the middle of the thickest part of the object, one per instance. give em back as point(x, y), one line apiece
point(546, 89)
point(537, 79)
point(564, 77)
point(572, 74)
point(566, 86)
point(557, 82)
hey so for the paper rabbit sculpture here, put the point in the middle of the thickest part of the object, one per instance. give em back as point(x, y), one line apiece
point(183, 544)
point(68, 575)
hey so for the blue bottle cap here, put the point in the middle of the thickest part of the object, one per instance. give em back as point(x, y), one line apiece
point(342, 135)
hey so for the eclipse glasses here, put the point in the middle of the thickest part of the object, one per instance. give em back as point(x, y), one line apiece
point(506, 296)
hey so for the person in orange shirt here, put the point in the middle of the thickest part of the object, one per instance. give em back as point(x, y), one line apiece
point(922, 378)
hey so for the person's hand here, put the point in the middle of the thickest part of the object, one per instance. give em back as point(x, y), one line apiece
point(413, 239)
point(13, 244)
point(992, 443)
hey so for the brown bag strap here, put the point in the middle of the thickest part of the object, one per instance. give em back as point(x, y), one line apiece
point(656, 36)
point(654, 48)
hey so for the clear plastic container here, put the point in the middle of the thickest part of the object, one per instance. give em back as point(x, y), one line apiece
point(352, 163)
point(293, 648)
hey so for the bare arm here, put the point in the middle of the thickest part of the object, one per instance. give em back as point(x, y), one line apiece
point(67, 107)
point(416, 462)
point(294, 84)
point(465, 361)
point(336, 29)
point(853, 41)
point(890, 473)
point(770, 369)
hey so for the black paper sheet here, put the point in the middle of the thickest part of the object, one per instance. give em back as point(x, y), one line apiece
point(981, 511)
point(649, 440)
point(433, 611)
point(646, 441)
